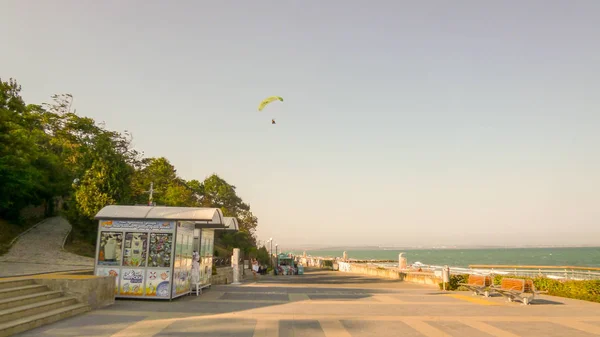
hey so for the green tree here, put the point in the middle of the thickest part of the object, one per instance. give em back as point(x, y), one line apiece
point(28, 172)
point(262, 255)
point(178, 194)
point(106, 181)
point(169, 189)
point(97, 163)
point(220, 194)
point(49, 151)
point(248, 222)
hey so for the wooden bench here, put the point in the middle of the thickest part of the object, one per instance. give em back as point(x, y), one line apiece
point(479, 284)
point(517, 289)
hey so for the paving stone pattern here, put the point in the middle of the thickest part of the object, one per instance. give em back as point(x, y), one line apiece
point(330, 304)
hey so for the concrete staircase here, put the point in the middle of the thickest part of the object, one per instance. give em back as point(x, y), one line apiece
point(25, 305)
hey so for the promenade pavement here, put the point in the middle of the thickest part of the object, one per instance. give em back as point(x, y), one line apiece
point(40, 251)
point(326, 303)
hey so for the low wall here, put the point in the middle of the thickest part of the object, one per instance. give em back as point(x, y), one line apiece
point(422, 278)
point(224, 276)
point(388, 273)
point(95, 291)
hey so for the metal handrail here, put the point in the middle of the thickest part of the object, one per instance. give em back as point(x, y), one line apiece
point(492, 266)
point(561, 274)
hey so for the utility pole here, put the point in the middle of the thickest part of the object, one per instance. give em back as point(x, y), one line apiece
point(271, 252)
point(151, 191)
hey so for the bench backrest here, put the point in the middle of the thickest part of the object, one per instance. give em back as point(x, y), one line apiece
point(525, 286)
point(529, 287)
point(480, 280)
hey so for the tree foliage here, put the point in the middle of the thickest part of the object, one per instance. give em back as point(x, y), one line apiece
point(48, 151)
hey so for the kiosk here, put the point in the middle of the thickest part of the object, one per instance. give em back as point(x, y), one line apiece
point(204, 244)
point(149, 248)
point(285, 265)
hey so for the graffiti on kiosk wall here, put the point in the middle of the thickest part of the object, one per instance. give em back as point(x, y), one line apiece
point(140, 225)
point(132, 282)
point(110, 272)
point(157, 282)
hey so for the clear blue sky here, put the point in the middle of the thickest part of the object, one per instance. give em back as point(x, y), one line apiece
point(429, 122)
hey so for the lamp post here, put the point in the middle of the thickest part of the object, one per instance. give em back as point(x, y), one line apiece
point(276, 255)
point(271, 252)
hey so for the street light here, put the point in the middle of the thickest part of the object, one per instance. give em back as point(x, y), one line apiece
point(271, 252)
point(276, 255)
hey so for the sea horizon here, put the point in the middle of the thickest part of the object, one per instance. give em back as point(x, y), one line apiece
point(463, 257)
point(386, 247)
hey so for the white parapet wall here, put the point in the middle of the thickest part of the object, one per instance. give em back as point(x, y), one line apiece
point(390, 273)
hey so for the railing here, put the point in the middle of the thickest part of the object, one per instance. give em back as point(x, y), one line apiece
point(552, 272)
point(220, 262)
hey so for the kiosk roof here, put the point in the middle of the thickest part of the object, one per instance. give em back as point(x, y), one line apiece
point(210, 215)
point(231, 223)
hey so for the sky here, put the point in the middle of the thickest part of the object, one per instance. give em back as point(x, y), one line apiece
point(403, 122)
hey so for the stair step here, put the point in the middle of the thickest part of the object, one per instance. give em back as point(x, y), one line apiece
point(15, 283)
point(35, 308)
point(12, 302)
point(22, 290)
point(31, 322)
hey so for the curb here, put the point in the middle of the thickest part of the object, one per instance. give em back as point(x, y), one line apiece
point(25, 232)
point(66, 272)
point(66, 236)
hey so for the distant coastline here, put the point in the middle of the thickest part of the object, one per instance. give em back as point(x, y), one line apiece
point(463, 257)
point(361, 248)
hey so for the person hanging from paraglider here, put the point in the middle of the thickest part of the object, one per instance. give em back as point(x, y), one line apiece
point(268, 100)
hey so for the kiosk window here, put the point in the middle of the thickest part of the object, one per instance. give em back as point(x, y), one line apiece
point(136, 245)
point(160, 250)
point(109, 253)
point(178, 250)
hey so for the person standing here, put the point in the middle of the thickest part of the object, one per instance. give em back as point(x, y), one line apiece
point(254, 267)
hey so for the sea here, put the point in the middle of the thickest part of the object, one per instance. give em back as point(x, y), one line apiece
point(582, 256)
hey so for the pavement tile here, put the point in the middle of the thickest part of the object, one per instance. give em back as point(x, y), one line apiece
point(359, 328)
point(210, 328)
point(457, 329)
point(89, 324)
point(300, 328)
point(344, 309)
point(336, 296)
point(546, 329)
point(257, 296)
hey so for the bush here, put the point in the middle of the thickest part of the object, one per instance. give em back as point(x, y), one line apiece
point(588, 290)
point(455, 280)
point(327, 264)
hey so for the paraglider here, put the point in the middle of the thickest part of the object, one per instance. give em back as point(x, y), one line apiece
point(268, 100)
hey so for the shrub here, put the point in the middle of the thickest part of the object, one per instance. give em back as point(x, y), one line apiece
point(327, 264)
point(588, 290)
point(455, 281)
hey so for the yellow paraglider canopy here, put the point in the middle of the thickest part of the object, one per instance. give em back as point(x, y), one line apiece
point(267, 101)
